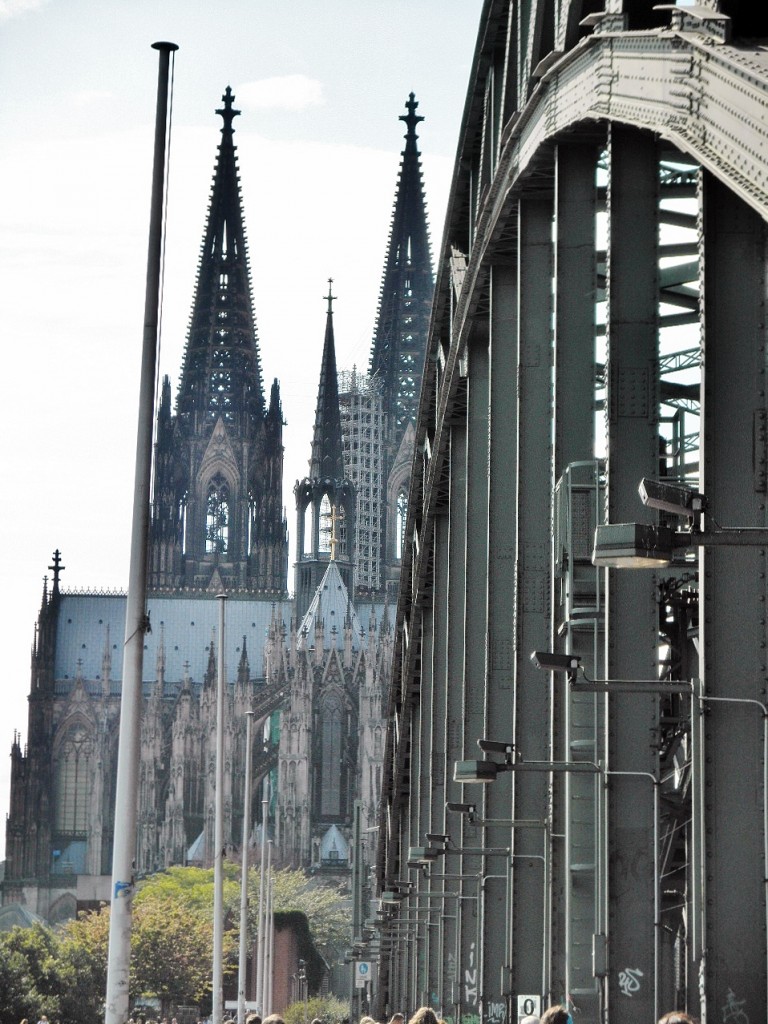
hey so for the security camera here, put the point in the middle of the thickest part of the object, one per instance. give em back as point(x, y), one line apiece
point(549, 662)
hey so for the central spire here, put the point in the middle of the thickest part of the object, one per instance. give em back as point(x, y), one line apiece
point(327, 459)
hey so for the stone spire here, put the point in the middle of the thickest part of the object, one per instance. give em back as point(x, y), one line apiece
point(221, 376)
point(217, 504)
point(327, 461)
point(405, 300)
point(327, 496)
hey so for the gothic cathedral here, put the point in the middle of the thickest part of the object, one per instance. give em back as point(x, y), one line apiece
point(314, 668)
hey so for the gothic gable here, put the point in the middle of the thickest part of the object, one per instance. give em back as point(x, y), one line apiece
point(219, 458)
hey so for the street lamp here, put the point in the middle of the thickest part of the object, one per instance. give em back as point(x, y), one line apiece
point(485, 771)
point(645, 546)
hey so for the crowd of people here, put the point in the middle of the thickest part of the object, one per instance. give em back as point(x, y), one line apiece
point(554, 1015)
point(424, 1015)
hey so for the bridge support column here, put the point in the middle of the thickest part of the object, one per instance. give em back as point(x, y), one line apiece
point(499, 710)
point(632, 613)
point(531, 904)
point(576, 721)
point(461, 929)
point(733, 605)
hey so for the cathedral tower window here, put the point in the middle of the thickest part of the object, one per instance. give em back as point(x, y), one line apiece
point(217, 517)
point(73, 775)
point(331, 738)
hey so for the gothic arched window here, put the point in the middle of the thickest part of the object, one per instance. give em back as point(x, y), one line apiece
point(73, 773)
point(331, 740)
point(217, 517)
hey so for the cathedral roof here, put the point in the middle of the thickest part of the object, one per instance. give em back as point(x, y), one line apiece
point(87, 621)
point(332, 608)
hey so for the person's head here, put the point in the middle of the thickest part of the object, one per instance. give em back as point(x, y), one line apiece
point(397, 1018)
point(424, 1015)
point(677, 1017)
point(557, 1015)
point(255, 1018)
point(273, 1018)
point(530, 1019)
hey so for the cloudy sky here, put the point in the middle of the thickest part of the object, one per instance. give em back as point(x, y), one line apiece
point(320, 87)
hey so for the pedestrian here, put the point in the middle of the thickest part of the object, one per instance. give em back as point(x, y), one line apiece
point(397, 1018)
point(424, 1015)
point(363, 1020)
point(557, 1015)
point(530, 1019)
point(273, 1018)
point(677, 1017)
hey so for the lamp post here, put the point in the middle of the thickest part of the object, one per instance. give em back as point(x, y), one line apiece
point(260, 939)
point(242, 972)
point(218, 841)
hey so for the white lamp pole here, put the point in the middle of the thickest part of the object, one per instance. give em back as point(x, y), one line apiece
point(242, 973)
point(136, 619)
point(218, 842)
point(260, 935)
point(268, 935)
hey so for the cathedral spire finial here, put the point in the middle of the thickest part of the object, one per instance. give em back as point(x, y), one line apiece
point(411, 118)
point(329, 298)
point(229, 113)
point(57, 568)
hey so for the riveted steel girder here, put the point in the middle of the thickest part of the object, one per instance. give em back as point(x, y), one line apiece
point(524, 262)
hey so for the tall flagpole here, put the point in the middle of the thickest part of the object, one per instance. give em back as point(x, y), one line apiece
point(268, 934)
point(136, 618)
point(218, 842)
point(260, 934)
point(242, 972)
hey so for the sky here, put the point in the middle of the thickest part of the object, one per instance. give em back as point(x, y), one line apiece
point(320, 86)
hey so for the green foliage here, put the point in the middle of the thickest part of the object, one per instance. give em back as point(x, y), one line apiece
point(29, 976)
point(326, 1009)
point(326, 907)
point(82, 955)
point(63, 973)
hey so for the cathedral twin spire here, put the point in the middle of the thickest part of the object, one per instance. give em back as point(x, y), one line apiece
point(221, 376)
point(217, 500)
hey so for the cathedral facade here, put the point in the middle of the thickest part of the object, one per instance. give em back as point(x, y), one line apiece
point(314, 668)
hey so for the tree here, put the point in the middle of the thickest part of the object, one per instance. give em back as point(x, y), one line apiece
point(326, 1009)
point(29, 978)
point(326, 907)
point(82, 955)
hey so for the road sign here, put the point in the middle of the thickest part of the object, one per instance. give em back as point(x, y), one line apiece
point(527, 1005)
point(362, 973)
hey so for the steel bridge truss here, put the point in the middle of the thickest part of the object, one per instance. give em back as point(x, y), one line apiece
point(599, 318)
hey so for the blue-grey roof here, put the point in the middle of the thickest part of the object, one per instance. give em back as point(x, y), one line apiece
point(332, 606)
point(14, 915)
point(185, 624)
